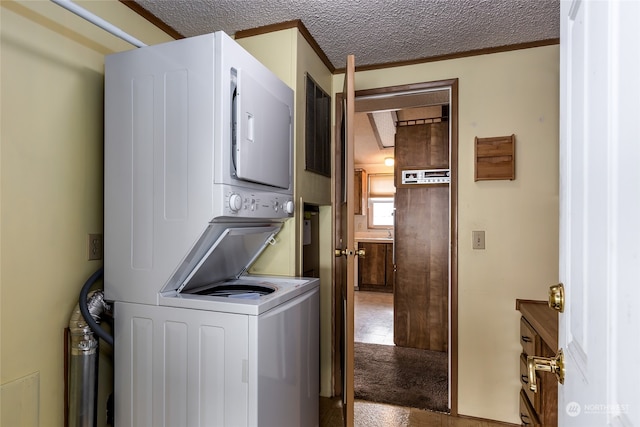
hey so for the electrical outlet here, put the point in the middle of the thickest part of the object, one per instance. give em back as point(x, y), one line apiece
point(478, 239)
point(94, 247)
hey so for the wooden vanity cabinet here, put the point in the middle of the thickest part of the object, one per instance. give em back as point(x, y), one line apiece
point(375, 270)
point(389, 273)
point(538, 337)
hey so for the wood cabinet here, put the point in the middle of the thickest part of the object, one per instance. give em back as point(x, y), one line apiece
point(360, 192)
point(538, 337)
point(375, 270)
point(389, 267)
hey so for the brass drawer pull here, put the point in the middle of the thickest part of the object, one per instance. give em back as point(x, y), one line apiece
point(525, 338)
point(554, 365)
point(525, 419)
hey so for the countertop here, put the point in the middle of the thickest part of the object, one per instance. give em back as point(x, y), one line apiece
point(374, 239)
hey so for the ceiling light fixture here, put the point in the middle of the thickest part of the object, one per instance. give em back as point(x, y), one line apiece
point(388, 161)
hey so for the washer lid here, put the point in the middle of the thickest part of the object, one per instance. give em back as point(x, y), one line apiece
point(230, 254)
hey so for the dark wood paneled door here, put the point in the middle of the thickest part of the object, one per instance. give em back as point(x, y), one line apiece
point(422, 240)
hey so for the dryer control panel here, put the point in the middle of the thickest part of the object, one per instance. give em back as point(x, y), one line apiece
point(242, 203)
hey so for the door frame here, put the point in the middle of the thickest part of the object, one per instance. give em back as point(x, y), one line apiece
point(416, 88)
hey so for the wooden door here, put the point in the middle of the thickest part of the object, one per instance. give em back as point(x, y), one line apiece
point(599, 212)
point(343, 209)
point(421, 288)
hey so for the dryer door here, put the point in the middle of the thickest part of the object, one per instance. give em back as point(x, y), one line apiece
point(263, 134)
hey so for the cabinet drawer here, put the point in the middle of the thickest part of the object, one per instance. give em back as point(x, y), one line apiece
point(538, 337)
point(528, 338)
point(528, 416)
point(534, 398)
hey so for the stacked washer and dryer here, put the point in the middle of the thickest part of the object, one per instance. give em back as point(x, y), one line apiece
point(198, 181)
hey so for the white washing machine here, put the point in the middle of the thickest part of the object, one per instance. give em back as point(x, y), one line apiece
point(198, 181)
point(239, 352)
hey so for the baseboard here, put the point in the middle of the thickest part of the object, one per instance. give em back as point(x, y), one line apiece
point(502, 423)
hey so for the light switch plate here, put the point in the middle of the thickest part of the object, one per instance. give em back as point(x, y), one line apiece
point(478, 239)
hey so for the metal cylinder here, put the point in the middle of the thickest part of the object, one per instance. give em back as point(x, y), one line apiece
point(83, 365)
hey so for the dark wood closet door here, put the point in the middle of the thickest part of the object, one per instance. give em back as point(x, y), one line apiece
point(421, 241)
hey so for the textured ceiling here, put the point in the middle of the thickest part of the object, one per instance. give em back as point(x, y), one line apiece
point(376, 31)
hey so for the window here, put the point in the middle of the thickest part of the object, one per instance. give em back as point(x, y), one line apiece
point(317, 129)
point(381, 212)
point(381, 190)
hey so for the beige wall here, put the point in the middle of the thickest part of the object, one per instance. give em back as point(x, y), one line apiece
point(499, 94)
point(290, 56)
point(51, 146)
point(316, 189)
point(277, 51)
point(312, 187)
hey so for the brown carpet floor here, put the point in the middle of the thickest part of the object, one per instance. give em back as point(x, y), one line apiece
point(401, 376)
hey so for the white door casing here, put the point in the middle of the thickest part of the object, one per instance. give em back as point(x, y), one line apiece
point(600, 212)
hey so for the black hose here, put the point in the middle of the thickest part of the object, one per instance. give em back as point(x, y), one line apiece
point(82, 303)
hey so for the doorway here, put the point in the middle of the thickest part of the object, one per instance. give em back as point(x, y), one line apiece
point(404, 98)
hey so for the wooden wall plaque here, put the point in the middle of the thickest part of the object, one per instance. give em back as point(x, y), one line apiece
point(495, 158)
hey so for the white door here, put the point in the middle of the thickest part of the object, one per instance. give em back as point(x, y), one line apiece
point(600, 212)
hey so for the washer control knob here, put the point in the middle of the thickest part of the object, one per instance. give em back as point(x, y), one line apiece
point(288, 207)
point(235, 202)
